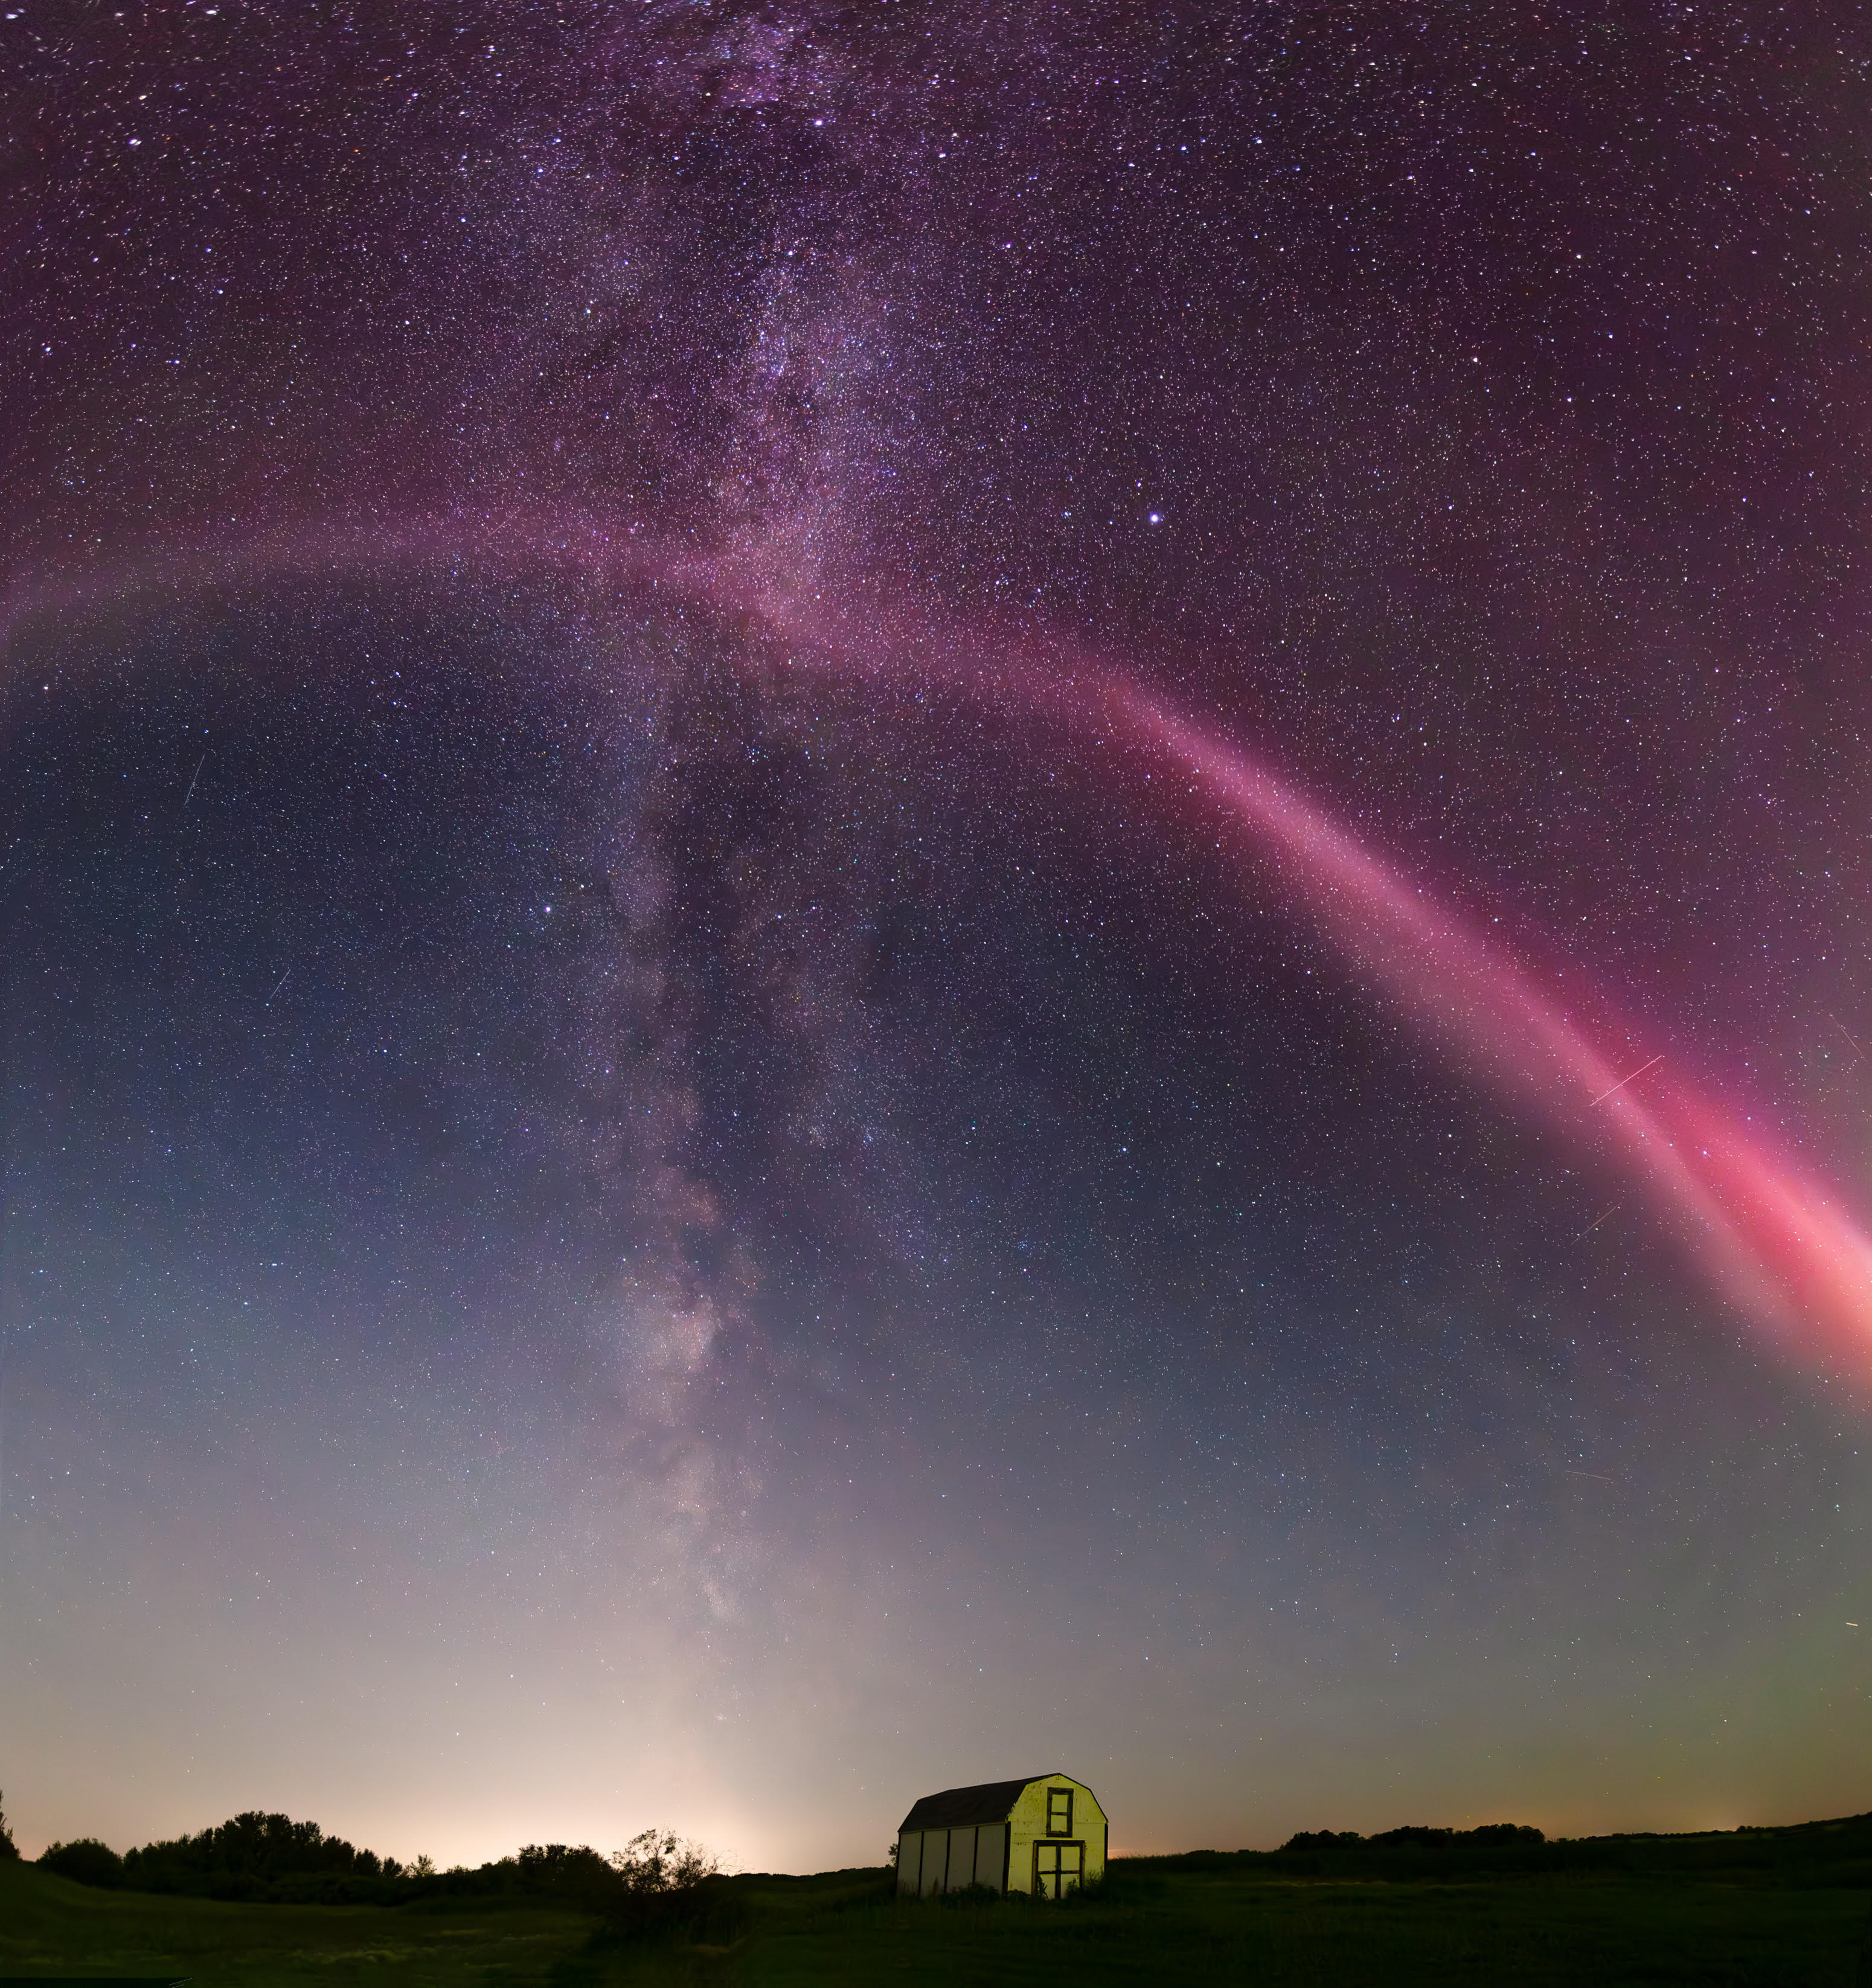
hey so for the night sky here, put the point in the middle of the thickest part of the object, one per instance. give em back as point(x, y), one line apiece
point(833, 837)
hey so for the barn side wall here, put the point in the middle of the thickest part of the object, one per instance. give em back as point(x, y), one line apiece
point(933, 1860)
point(991, 1849)
point(936, 1843)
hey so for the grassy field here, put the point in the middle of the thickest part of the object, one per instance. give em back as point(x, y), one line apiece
point(1169, 1920)
point(49, 1927)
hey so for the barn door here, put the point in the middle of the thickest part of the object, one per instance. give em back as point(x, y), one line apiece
point(1058, 1868)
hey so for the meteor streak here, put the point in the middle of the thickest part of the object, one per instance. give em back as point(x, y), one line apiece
point(1858, 1053)
point(1624, 1080)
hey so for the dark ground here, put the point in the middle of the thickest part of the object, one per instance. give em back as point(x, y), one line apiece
point(1778, 1908)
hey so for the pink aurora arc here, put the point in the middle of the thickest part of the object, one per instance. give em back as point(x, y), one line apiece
point(1768, 1235)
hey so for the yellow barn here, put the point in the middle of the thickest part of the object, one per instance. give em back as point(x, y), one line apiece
point(1045, 1834)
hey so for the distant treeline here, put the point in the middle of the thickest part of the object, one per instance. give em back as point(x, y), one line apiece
point(252, 1856)
point(1824, 1855)
point(270, 1859)
point(1488, 1833)
point(658, 1880)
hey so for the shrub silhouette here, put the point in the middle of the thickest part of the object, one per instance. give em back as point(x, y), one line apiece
point(85, 1861)
point(578, 1876)
point(664, 1884)
point(656, 1862)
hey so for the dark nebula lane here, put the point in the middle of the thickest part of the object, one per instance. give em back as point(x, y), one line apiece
point(885, 891)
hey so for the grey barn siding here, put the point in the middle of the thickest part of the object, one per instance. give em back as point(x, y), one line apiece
point(950, 1860)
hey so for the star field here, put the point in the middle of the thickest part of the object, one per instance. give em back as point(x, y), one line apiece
point(819, 823)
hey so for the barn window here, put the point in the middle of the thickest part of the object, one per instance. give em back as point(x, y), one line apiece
point(1060, 1811)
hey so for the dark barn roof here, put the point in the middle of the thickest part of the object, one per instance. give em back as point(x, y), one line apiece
point(956, 1808)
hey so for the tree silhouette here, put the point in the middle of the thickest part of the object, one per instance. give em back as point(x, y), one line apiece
point(85, 1861)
